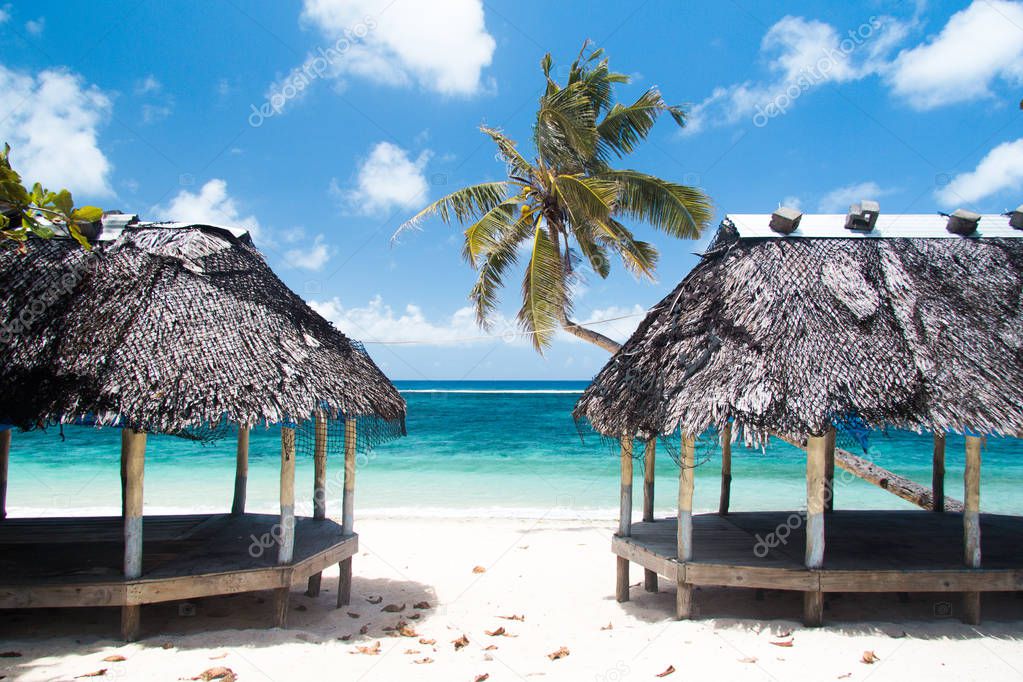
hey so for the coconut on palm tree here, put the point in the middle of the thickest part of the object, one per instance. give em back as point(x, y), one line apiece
point(567, 202)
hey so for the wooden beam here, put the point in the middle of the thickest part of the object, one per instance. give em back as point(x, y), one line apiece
point(344, 587)
point(829, 473)
point(726, 470)
point(5, 459)
point(241, 473)
point(882, 478)
point(649, 462)
point(816, 492)
point(971, 524)
point(624, 518)
point(938, 474)
point(133, 458)
point(684, 537)
point(286, 529)
point(319, 488)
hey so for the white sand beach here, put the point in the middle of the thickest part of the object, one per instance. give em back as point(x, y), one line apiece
point(558, 576)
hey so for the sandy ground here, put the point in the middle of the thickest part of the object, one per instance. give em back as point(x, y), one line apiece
point(559, 576)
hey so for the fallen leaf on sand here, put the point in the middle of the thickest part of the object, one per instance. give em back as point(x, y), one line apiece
point(218, 673)
point(212, 658)
point(490, 648)
point(609, 626)
point(748, 659)
point(423, 660)
point(869, 657)
point(460, 642)
point(389, 628)
point(482, 678)
point(844, 676)
point(421, 605)
point(353, 614)
point(406, 631)
point(167, 645)
point(427, 642)
point(513, 617)
point(118, 658)
point(478, 569)
point(499, 632)
point(345, 638)
point(393, 608)
point(787, 642)
point(371, 650)
point(301, 607)
point(414, 616)
point(374, 600)
point(10, 654)
point(667, 671)
point(96, 673)
point(560, 653)
point(364, 629)
point(412, 652)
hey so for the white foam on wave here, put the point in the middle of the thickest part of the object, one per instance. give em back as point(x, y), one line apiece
point(521, 391)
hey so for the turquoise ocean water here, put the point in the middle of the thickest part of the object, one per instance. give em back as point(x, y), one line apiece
point(475, 448)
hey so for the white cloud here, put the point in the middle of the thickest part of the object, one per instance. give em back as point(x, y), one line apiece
point(52, 121)
point(310, 257)
point(152, 113)
point(792, 202)
point(388, 179)
point(36, 26)
point(802, 54)
point(210, 205)
point(618, 329)
point(1000, 170)
point(977, 46)
point(442, 46)
point(5, 13)
point(148, 85)
point(839, 199)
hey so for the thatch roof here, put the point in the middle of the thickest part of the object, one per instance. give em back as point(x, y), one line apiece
point(173, 329)
point(794, 334)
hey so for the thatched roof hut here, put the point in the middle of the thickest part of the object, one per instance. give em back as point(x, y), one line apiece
point(182, 330)
point(797, 325)
point(789, 334)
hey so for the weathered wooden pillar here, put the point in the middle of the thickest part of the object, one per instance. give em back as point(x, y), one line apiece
point(286, 525)
point(938, 474)
point(829, 473)
point(684, 538)
point(5, 459)
point(649, 461)
point(971, 523)
point(133, 458)
point(726, 470)
point(241, 474)
point(624, 518)
point(319, 488)
point(344, 588)
point(816, 493)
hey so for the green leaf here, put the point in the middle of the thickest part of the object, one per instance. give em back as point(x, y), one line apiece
point(490, 275)
point(64, 204)
point(462, 205)
point(678, 210)
point(482, 236)
point(72, 228)
point(88, 214)
point(544, 303)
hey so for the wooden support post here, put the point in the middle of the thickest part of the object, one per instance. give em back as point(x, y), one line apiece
point(684, 538)
point(649, 460)
point(241, 474)
point(624, 518)
point(726, 470)
point(286, 549)
point(133, 458)
point(829, 473)
point(938, 474)
point(971, 523)
point(319, 489)
point(344, 586)
point(816, 492)
point(5, 459)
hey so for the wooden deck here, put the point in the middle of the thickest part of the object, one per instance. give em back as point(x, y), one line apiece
point(78, 561)
point(865, 551)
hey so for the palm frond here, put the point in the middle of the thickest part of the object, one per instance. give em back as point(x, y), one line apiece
point(462, 205)
point(544, 303)
point(585, 198)
point(484, 234)
point(510, 152)
point(638, 257)
point(593, 250)
point(625, 127)
point(490, 273)
point(678, 210)
point(565, 129)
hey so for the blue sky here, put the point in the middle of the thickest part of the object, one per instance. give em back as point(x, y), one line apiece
point(322, 125)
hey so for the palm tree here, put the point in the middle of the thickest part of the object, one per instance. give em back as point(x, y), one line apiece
point(566, 204)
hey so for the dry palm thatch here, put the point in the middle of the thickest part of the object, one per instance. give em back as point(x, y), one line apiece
point(793, 335)
point(182, 330)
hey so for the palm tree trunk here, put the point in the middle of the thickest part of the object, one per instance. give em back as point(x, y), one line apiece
point(589, 335)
